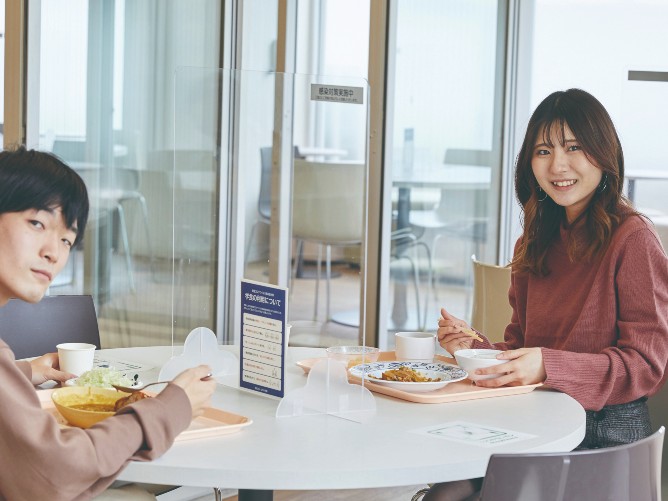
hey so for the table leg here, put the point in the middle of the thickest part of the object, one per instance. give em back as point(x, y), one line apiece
point(399, 314)
point(631, 190)
point(255, 495)
point(403, 208)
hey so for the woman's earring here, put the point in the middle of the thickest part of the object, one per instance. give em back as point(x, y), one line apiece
point(540, 190)
point(603, 184)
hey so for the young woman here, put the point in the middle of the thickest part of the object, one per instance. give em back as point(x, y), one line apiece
point(589, 283)
point(43, 211)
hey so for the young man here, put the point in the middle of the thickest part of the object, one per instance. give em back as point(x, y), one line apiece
point(43, 212)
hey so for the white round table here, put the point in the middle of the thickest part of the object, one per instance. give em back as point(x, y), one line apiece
point(325, 452)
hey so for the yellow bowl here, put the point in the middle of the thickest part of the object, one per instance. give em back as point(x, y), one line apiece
point(83, 406)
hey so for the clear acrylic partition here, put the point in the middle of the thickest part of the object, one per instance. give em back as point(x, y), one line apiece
point(232, 216)
point(195, 175)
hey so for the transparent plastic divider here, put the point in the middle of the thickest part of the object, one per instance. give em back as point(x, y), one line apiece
point(329, 201)
point(201, 347)
point(228, 125)
point(327, 391)
point(196, 178)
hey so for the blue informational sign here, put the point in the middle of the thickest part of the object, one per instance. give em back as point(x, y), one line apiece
point(264, 311)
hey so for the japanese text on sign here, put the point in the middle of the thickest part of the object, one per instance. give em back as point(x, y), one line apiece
point(263, 341)
point(337, 93)
point(262, 299)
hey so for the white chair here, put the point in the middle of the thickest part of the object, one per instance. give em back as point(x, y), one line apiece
point(109, 190)
point(124, 189)
point(264, 198)
point(459, 214)
point(491, 308)
point(630, 472)
point(328, 209)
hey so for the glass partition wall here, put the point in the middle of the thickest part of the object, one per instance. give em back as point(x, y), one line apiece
point(443, 150)
point(298, 148)
point(104, 95)
point(105, 104)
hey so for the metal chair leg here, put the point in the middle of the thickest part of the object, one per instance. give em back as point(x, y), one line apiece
point(317, 284)
point(328, 273)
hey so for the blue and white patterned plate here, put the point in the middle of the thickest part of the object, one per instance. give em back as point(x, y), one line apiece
point(434, 370)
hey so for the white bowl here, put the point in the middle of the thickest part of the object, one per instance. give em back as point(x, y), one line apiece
point(473, 359)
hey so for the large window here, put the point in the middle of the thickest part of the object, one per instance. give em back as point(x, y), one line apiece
point(445, 115)
point(444, 119)
point(106, 106)
point(620, 59)
point(105, 103)
point(330, 45)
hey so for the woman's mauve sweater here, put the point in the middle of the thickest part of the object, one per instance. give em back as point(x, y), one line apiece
point(40, 460)
point(602, 325)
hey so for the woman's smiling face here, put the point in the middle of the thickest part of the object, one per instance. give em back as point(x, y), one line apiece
point(564, 172)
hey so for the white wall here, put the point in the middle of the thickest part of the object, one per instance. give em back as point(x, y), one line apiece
point(592, 44)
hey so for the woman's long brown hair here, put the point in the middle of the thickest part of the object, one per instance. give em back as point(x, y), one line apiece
point(593, 128)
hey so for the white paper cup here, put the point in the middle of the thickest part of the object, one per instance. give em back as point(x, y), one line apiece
point(76, 358)
point(415, 346)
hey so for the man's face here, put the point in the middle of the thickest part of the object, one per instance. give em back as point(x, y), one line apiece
point(34, 247)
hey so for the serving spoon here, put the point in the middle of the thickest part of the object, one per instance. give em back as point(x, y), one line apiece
point(133, 389)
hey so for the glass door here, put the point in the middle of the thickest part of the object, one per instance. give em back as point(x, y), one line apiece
point(105, 105)
point(443, 152)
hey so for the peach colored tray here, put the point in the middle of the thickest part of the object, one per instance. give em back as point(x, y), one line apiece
point(212, 423)
point(452, 392)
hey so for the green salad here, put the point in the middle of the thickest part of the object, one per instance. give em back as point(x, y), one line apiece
point(103, 378)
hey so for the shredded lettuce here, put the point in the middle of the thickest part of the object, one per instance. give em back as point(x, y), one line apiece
point(103, 378)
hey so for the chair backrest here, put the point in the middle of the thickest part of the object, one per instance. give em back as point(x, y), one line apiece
point(328, 202)
point(69, 149)
point(32, 329)
point(491, 309)
point(630, 472)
